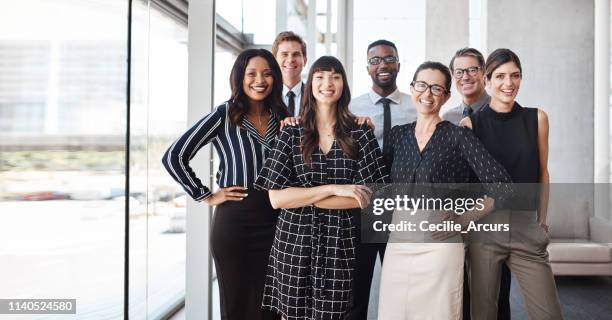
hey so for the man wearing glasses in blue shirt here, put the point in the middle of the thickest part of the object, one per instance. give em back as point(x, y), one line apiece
point(386, 106)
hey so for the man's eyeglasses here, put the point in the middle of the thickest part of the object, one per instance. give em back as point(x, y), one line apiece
point(471, 71)
point(388, 60)
point(421, 86)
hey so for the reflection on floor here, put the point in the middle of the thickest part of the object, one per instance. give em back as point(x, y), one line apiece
point(582, 298)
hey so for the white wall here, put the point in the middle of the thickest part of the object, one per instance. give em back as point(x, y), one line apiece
point(555, 41)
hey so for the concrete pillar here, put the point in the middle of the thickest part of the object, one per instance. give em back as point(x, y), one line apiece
point(281, 16)
point(602, 91)
point(312, 32)
point(602, 109)
point(446, 31)
point(555, 41)
point(201, 50)
point(446, 28)
point(344, 36)
point(328, 23)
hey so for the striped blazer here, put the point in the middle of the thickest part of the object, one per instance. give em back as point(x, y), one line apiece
point(242, 151)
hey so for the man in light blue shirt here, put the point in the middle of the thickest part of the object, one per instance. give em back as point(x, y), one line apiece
point(383, 67)
point(386, 106)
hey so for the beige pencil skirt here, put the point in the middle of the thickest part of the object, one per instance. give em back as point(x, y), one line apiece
point(422, 281)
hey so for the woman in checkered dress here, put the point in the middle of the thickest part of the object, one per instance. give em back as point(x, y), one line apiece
point(316, 173)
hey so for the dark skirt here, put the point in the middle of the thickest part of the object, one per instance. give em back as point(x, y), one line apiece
point(241, 239)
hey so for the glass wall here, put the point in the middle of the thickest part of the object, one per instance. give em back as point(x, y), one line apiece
point(247, 18)
point(62, 152)
point(402, 22)
point(158, 117)
point(326, 25)
point(63, 125)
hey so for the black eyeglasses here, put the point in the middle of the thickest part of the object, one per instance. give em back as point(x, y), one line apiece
point(422, 86)
point(388, 60)
point(471, 71)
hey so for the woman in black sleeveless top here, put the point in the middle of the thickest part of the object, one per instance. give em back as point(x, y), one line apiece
point(517, 137)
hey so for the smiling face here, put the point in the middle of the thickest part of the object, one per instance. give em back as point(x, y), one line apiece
point(469, 86)
point(425, 102)
point(291, 60)
point(258, 79)
point(383, 75)
point(327, 86)
point(505, 83)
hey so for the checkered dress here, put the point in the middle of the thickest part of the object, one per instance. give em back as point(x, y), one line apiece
point(310, 269)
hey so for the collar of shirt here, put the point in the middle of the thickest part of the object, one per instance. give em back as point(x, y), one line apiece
point(485, 99)
point(297, 89)
point(271, 130)
point(395, 97)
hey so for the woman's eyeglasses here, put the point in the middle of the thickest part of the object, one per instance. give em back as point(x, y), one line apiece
point(421, 86)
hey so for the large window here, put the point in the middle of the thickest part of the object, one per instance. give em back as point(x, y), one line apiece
point(62, 152)
point(63, 126)
point(158, 117)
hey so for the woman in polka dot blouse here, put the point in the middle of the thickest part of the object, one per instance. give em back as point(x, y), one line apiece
point(425, 280)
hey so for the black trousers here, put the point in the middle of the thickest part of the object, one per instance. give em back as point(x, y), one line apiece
point(503, 303)
point(241, 239)
point(365, 261)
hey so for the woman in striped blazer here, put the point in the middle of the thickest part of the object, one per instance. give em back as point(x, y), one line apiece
point(242, 131)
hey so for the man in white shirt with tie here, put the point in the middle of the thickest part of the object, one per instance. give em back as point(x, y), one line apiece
point(386, 106)
point(383, 67)
point(290, 52)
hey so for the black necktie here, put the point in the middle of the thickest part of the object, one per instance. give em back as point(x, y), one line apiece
point(387, 122)
point(467, 111)
point(291, 104)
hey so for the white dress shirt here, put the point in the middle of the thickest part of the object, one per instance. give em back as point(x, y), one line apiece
point(367, 105)
point(297, 90)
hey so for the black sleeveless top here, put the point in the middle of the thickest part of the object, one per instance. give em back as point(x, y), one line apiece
point(512, 139)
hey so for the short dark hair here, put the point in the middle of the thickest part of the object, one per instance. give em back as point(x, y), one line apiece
point(468, 52)
point(499, 57)
point(288, 36)
point(433, 65)
point(382, 42)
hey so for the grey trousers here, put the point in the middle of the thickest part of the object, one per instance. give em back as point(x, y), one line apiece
point(523, 249)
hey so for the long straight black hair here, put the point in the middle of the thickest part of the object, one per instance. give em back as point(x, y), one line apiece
point(239, 103)
point(345, 120)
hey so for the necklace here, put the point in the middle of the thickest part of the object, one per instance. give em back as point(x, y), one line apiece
point(327, 132)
